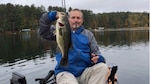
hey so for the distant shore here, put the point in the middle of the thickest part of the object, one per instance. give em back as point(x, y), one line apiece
point(123, 29)
point(109, 29)
point(14, 32)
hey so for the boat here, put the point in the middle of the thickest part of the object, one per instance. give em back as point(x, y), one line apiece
point(18, 78)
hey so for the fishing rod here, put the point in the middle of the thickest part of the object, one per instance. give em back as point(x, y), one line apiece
point(64, 5)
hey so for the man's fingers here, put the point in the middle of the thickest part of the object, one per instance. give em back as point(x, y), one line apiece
point(95, 59)
point(93, 55)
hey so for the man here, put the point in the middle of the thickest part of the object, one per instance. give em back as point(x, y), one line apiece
point(86, 64)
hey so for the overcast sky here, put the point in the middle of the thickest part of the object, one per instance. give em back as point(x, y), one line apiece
point(97, 6)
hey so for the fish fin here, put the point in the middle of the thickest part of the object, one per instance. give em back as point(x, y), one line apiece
point(70, 45)
point(61, 31)
point(54, 32)
point(64, 62)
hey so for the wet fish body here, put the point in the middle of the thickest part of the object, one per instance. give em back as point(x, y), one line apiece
point(63, 36)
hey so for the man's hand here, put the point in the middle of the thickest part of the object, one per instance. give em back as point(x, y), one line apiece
point(52, 15)
point(94, 58)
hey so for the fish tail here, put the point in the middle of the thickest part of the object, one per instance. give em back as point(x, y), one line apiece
point(64, 62)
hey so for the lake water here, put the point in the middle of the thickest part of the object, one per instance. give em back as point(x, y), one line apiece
point(33, 57)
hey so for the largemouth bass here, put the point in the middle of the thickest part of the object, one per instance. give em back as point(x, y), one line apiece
point(63, 36)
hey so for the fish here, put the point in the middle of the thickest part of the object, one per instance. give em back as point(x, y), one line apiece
point(63, 36)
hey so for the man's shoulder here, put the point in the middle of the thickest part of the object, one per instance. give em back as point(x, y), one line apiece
point(87, 31)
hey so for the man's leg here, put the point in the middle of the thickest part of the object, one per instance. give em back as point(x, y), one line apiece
point(96, 74)
point(66, 78)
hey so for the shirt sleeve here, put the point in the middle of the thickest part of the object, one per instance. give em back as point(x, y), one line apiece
point(101, 59)
point(95, 49)
point(45, 29)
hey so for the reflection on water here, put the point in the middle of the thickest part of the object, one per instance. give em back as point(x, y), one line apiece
point(32, 56)
point(22, 46)
point(120, 38)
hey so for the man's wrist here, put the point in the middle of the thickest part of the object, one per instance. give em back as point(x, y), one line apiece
point(52, 15)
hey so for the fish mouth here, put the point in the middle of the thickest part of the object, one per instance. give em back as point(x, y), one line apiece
point(61, 24)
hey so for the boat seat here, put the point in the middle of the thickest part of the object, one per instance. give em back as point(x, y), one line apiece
point(17, 78)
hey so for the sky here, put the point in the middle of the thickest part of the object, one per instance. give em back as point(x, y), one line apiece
point(97, 6)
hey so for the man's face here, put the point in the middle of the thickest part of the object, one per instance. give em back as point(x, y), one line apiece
point(75, 19)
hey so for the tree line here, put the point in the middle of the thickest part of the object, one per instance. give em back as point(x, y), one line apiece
point(17, 17)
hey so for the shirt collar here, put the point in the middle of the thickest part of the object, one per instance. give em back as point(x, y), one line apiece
point(79, 30)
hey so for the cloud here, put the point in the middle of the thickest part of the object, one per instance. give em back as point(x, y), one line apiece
point(93, 5)
point(111, 5)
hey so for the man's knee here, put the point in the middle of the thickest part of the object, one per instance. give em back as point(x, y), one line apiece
point(101, 66)
point(66, 78)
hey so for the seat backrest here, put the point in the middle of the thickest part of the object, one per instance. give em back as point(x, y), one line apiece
point(17, 78)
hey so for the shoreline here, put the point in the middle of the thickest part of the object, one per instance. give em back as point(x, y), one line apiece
point(109, 29)
point(123, 29)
